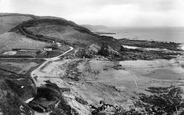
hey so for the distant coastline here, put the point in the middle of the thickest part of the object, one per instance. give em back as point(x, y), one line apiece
point(163, 34)
point(99, 33)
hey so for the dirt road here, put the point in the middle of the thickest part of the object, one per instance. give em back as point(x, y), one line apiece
point(35, 73)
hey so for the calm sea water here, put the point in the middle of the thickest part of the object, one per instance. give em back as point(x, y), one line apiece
point(173, 34)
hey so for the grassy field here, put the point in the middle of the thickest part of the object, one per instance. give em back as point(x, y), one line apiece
point(61, 31)
point(10, 21)
point(68, 34)
point(19, 66)
point(12, 40)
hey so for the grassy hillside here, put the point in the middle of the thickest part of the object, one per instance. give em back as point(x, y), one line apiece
point(9, 21)
point(29, 31)
point(11, 40)
point(57, 29)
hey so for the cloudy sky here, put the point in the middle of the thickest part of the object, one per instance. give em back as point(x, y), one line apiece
point(104, 12)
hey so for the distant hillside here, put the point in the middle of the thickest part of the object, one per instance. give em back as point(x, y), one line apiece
point(94, 27)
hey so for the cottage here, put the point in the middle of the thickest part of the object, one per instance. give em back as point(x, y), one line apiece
point(47, 49)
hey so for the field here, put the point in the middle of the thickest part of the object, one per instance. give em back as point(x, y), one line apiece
point(12, 40)
point(62, 33)
point(19, 66)
point(8, 22)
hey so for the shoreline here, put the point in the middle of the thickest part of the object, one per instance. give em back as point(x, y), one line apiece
point(151, 44)
point(103, 33)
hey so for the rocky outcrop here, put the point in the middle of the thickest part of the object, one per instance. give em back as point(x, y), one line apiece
point(106, 50)
point(94, 50)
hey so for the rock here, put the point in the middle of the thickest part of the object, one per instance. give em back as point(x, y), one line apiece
point(81, 53)
point(96, 49)
point(107, 50)
point(122, 48)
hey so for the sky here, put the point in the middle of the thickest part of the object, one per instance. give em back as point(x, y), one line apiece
point(104, 12)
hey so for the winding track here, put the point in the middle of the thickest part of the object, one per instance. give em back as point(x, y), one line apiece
point(35, 73)
point(48, 60)
point(25, 32)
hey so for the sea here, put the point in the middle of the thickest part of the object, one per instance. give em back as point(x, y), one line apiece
point(166, 34)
